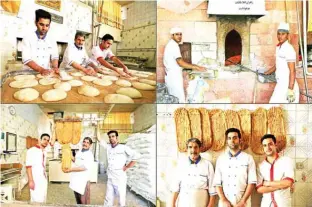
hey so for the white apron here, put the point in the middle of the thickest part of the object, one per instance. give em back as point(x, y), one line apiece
point(40, 193)
point(193, 198)
point(174, 83)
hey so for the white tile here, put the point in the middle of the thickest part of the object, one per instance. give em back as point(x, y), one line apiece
point(302, 116)
point(301, 140)
point(290, 152)
point(302, 107)
point(302, 152)
point(291, 116)
point(301, 128)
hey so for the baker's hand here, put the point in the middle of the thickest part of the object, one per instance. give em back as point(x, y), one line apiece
point(226, 203)
point(67, 170)
point(31, 185)
point(56, 70)
point(124, 168)
point(123, 74)
point(45, 72)
point(241, 203)
point(290, 96)
point(199, 68)
point(126, 70)
point(90, 71)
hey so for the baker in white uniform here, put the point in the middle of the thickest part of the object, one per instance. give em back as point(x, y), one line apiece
point(36, 170)
point(235, 175)
point(75, 56)
point(193, 186)
point(275, 176)
point(174, 65)
point(118, 156)
point(102, 51)
point(39, 50)
point(80, 172)
point(286, 89)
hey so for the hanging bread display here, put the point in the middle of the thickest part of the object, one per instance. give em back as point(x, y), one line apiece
point(276, 126)
point(218, 127)
point(232, 119)
point(68, 132)
point(259, 126)
point(183, 128)
point(206, 129)
point(76, 132)
point(245, 123)
point(66, 157)
point(59, 131)
point(195, 123)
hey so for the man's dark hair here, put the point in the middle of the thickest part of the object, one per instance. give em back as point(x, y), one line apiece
point(193, 140)
point(79, 34)
point(88, 138)
point(268, 136)
point(233, 130)
point(44, 134)
point(112, 131)
point(40, 13)
point(107, 37)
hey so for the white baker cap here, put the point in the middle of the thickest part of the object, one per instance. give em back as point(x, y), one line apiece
point(283, 26)
point(175, 30)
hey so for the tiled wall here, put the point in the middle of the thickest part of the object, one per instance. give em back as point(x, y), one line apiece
point(139, 33)
point(24, 123)
point(299, 143)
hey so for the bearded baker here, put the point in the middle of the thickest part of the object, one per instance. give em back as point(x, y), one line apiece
point(36, 171)
point(174, 65)
point(286, 89)
point(39, 50)
point(193, 186)
point(80, 173)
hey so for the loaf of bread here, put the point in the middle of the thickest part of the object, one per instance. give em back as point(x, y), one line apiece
point(66, 157)
point(245, 124)
point(76, 132)
point(206, 129)
point(218, 128)
point(183, 128)
point(195, 121)
point(259, 125)
point(276, 126)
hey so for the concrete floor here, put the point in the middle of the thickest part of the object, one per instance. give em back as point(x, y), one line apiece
point(59, 194)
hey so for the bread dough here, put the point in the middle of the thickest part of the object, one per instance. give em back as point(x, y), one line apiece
point(140, 75)
point(123, 83)
point(49, 81)
point(150, 82)
point(26, 94)
point(131, 92)
point(23, 83)
point(88, 91)
point(117, 98)
point(88, 78)
point(77, 74)
point(65, 76)
point(24, 77)
point(54, 95)
point(63, 85)
point(143, 86)
point(102, 82)
point(75, 83)
point(109, 77)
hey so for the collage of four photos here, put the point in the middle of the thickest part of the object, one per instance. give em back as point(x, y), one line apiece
point(156, 103)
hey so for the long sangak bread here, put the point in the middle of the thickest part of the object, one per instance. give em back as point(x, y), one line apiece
point(68, 132)
point(195, 121)
point(183, 128)
point(59, 130)
point(259, 125)
point(66, 157)
point(218, 127)
point(206, 129)
point(76, 132)
point(245, 123)
point(232, 119)
point(276, 126)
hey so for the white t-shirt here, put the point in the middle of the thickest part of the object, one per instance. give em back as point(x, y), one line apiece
point(97, 52)
point(281, 169)
point(285, 54)
point(41, 51)
point(73, 54)
point(234, 173)
point(36, 159)
point(171, 53)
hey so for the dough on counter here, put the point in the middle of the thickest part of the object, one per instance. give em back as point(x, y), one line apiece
point(54, 95)
point(88, 78)
point(117, 98)
point(150, 82)
point(102, 82)
point(109, 77)
point(49, 81)
point(63, 85)
point(26, 94)
point(123, 83)
point(23, 83)
point(77, 74)
point(131, 92)
point(143, 86)
point(64, 76)
point(24, 77)
point(140, 75)
point(88, 91)
point(75, 83)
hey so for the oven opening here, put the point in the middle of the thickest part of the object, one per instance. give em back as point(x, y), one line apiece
point(233, 48)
